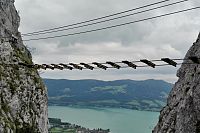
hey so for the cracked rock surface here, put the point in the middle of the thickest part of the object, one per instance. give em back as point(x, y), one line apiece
point(23, 96)
point(182, 112)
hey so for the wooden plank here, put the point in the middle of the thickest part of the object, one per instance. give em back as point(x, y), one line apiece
point(66, 66)
point(130, 64)
point(87, 66)
point(57, 66)
point(100, 65)
point(113, 64)
point(169, 61)
point(149, 63)
point(76, 66)
point(48, 66)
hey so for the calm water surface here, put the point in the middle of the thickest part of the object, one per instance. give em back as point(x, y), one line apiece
point(117, 120)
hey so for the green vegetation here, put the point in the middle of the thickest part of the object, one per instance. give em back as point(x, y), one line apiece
point(2, 71)
point(59, 97)
point(111, 89)
point(62, 130)
point(148, 95)
point(134, 102)
point(105, 101)
point(13, 87)
point(149, 103)
point(5, 107)
point(57, 126)
point(161, 103)
point(23, 56)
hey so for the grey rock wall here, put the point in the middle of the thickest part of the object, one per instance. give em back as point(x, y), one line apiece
point(23, 96)
point(182, 113)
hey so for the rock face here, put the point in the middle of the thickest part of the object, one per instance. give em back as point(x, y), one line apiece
point(23, 96)
point(182, 113)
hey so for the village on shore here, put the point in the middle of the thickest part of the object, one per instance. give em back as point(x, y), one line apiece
point(57, 126)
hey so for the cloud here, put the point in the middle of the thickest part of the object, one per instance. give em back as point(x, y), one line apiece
point(109, 51)
point(164, 37)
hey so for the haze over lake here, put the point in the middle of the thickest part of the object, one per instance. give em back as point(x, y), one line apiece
point(118, 120)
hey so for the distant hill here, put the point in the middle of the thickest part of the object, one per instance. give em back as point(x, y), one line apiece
point(140, 95)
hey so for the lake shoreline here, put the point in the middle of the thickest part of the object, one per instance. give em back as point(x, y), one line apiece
point(118, 120)
point(58, 126)
point(97, 107)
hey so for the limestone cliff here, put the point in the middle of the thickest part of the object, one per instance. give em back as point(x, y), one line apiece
point(23, 96)
point(182, 113)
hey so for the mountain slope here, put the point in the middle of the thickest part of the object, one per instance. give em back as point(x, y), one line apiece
point(142, 95)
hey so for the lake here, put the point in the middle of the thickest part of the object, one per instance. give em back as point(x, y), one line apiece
point(116, 119)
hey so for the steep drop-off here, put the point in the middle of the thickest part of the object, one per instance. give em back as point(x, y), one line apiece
point(182, 113)
point(23, 96)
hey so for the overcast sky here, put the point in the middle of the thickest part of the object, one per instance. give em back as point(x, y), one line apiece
point(163, 37)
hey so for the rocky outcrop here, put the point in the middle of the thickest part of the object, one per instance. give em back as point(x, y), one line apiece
point(182, 113)
point(23, 96)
